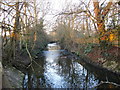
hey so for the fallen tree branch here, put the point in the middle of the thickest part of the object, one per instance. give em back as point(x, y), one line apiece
point(31, 58)
point(28, 53)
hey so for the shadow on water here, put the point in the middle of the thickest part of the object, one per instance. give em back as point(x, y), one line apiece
point(55, 70)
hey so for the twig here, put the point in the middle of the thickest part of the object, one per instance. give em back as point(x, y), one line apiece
point(107, 82)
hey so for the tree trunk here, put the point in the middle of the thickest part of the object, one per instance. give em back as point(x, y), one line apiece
point(16, 29)
point(100, 17)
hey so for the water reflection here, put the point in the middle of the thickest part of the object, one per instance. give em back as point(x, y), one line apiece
point(58, 72)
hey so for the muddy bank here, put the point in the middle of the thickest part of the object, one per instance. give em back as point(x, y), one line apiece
point(108, 60)
point(104, 74)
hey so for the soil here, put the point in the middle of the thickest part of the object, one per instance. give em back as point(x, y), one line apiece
point(109, 58)
point(98, 53)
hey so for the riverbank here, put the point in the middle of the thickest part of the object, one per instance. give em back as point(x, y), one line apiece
point(108, 59)
point(14, 70)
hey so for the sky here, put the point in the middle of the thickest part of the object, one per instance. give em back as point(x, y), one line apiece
point(57, 6)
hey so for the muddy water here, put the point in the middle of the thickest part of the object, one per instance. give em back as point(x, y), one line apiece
point(57, 70)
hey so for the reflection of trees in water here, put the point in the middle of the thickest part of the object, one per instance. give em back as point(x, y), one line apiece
point(35, 78)
point(101, 74)
point(74, 75)
point(74, 78)
point(65, 66)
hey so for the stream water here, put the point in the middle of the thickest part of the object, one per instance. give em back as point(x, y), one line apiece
point(56, 70)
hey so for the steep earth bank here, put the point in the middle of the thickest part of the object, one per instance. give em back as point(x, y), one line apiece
point(108, 58)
